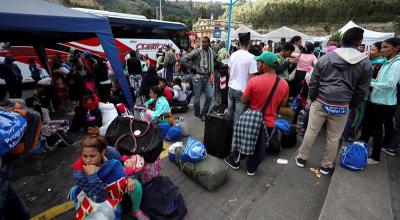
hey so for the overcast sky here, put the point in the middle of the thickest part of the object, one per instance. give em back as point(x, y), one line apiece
point(227, 1)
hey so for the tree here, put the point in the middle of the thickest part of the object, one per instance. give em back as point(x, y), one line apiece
point(148, 13)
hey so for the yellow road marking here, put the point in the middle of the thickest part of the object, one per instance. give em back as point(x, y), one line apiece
point(166, 145)
point(55, 211)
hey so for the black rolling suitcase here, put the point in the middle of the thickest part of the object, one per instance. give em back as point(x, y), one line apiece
point(178, 107)
point(218, 134)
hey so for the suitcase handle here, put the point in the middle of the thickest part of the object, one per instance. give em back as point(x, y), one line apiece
point(124, 135)
point(142, 133)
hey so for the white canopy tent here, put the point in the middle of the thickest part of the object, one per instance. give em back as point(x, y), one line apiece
point(369, 36)
point(287, 33)
point(254, 35)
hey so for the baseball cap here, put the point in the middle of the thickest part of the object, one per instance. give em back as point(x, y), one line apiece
point(268, 57)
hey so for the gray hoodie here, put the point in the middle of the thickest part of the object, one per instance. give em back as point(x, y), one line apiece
point(341, 77)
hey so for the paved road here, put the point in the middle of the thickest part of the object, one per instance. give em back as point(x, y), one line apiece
point(234, 200)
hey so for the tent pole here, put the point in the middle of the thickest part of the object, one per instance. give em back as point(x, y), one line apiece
point(228, 42)
point(41, 53)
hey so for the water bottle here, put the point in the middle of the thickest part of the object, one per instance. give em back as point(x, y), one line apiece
point(300, 119)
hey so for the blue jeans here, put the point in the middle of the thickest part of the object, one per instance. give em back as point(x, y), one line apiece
point(235, 106)
point(170, 73)
point(201, 84)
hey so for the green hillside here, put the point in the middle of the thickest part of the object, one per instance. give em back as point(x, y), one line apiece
point(266, 13)
point(259, 13)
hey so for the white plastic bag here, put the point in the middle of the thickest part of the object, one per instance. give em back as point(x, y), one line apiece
point(108, 112)
point(102, 211)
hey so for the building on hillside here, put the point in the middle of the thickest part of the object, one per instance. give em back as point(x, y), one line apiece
point(205, 27)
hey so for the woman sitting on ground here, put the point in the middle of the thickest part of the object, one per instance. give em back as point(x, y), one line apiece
point(157, 104)
point(101, 180)
point(87, 114)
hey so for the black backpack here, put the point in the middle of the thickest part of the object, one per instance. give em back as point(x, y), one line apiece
point(289, 139)
point(162, 200)
point(274, 142)
point(148, 142)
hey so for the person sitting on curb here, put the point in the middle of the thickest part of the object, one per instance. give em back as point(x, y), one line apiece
point(157, 104)
point(162, 83)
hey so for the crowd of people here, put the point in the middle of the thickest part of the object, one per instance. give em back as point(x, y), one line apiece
point(353, 92)
point(342, 86)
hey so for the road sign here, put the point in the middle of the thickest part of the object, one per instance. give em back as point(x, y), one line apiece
point(217, 33)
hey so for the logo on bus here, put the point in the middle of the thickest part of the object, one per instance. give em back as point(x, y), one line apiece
point(154, 46)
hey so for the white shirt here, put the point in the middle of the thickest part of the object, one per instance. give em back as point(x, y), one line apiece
point(179, 95)
point(241, 64)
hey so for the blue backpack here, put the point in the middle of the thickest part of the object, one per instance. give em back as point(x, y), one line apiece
point(194, 151)
point(354, 156)
point(282, 124)
point(12, 128)
point(174, 133)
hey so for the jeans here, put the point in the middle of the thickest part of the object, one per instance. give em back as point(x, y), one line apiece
point(189, 97)
point(136, 82)
point(170, 73)
point(235, 106)
point(11, 205)
point(201, 84)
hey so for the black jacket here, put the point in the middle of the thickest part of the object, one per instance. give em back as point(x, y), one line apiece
point(134, 66)
point(10, 71)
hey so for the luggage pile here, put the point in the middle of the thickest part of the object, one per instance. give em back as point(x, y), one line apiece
point(161, 198)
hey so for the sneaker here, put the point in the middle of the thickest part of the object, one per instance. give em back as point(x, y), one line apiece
point(325, 170)
point(199, 117)
point(139, 215)
point(301, 132)
point(250, 172)
point(371, 161)
point(300, 162)
point(389, 151)
point(231, 162)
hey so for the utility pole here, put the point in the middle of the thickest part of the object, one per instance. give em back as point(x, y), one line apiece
point(228, 42)
point(160, 11)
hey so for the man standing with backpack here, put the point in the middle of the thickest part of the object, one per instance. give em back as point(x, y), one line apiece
point(242, 66)
point(339, 81)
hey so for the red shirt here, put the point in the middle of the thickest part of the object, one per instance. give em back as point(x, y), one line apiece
point(168, 94)
point(258, 89)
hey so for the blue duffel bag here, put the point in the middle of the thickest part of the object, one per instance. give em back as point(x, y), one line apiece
point(174, 133)
point(194, 151)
